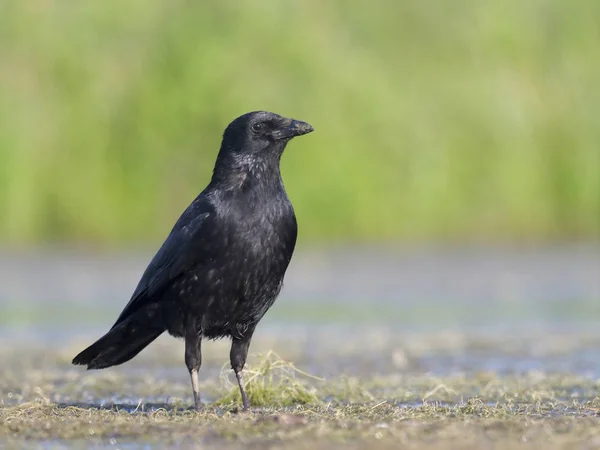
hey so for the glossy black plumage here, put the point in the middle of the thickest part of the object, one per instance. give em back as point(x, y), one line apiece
point(222, 265)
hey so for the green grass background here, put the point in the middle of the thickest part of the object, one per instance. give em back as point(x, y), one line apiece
point(434, 120)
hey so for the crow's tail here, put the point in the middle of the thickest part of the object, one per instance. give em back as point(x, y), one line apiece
point(125, 340)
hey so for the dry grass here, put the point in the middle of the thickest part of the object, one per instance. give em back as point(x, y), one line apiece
point(44, 402)
point(471, 423)
point(273, 382)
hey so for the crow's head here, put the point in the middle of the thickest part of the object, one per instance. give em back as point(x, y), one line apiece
point(252, 146)
point(262, 133)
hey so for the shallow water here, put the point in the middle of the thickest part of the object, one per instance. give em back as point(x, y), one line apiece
point(508, 310)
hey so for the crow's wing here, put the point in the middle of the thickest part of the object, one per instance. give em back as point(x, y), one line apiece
point(182, 250)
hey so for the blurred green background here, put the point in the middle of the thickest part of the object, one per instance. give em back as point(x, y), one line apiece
point(434, 120)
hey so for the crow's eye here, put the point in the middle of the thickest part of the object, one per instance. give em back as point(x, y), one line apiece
point(257, 127)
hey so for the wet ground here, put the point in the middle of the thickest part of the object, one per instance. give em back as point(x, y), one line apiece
point(476, 348)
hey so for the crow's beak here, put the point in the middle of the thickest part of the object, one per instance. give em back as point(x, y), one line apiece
point(295, 128)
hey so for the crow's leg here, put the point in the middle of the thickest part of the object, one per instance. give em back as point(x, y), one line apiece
point(193, 360)
point(238, 355)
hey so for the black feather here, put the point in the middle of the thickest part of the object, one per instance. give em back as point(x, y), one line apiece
point(222, 265)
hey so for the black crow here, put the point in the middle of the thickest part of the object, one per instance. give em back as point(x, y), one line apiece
point(222, 266)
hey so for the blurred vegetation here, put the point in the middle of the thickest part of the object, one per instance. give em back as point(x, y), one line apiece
point(434, 120)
